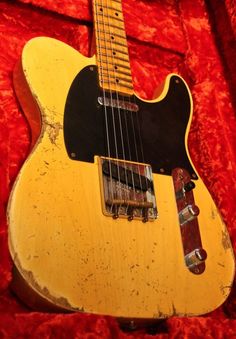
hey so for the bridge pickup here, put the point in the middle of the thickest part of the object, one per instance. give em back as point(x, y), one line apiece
point(127, 189)
point(125, 175)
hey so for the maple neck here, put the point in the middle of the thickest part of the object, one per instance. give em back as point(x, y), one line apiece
point(111, 47)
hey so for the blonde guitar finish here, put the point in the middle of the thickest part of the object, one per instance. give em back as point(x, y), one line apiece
point(77, 258)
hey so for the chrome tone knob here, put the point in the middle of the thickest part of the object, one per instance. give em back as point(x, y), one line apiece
point(195, 257)
point(188, 213)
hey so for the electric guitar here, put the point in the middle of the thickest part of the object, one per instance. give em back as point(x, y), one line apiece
point(108, 214)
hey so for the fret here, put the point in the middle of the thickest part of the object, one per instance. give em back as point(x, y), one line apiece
point(115, 70)
point(117, 88)
point(114, 60)
point(106, 74)
point(110, 60)
point(109, 7)
point(116, 51)
point(109, 17)
point(117, 84)
point(113, 83)
point(113, 42)
point(114, 63)
point(101, 4)
point(112, 86)
point(112, 34)
point(118, 1)
point(123, 66)
point(110, 25)
point(113, 57)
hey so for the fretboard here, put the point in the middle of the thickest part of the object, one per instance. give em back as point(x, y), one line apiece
point(111, 47)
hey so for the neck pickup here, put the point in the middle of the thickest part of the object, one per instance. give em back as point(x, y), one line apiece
point(118, 103)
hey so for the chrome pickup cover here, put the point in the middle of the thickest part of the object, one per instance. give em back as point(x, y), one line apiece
point(127, 189)
point(118, 103)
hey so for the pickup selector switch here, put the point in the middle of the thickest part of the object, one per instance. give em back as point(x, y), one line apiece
point(189, 213)
point(189, 186)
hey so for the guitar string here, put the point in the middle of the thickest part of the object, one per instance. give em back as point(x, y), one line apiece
point(141, 194)
point(135, 142)
point(127, 114)
point(111, 33)
point(137, 157)
point(112, 109)
point(132, 100)
point(140, 148)
point(105, 108)
point(115, 67)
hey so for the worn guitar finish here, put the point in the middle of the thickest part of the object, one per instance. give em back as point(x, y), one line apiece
point(69, 250)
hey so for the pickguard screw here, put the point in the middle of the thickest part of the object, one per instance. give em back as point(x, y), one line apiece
point(73, 155)
point(91, 68)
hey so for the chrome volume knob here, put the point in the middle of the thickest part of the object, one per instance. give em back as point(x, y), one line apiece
point(195, 257)
point(188, 213)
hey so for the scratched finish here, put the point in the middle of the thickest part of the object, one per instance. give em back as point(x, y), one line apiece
point(72, 254)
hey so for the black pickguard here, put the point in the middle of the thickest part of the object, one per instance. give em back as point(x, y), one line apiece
point(155, 134)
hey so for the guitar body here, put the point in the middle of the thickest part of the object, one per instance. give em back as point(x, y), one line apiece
point(64, 248)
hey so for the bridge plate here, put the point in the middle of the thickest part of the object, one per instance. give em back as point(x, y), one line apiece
point(127, 189)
